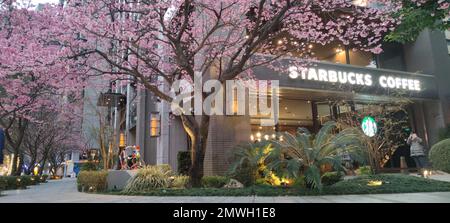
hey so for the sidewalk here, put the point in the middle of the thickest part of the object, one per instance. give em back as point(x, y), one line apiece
point(437, 175)
point(64, 191)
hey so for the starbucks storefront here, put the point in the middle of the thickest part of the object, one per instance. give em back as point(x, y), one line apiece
point(309, 97)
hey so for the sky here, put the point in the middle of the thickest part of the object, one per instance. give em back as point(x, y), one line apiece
point(28, 3)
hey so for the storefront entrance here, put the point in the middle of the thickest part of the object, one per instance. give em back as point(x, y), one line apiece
point(311, 110)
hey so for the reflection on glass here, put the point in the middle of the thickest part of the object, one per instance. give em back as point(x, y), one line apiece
point(334, 53)
point(324, 113)
point(361, 58)
point(337, 53)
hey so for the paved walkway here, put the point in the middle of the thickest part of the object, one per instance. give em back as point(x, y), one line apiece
point(437, 175)
point(64, 191)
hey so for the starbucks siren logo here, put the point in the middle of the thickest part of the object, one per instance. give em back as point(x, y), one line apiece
point(369, 126)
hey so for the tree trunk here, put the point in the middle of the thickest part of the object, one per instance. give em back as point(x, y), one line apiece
point(44, 161)
point(30, 168)
point(14, 164)
point(19, 166)
point(199, 137)
point(41, 170)
point(16, 144)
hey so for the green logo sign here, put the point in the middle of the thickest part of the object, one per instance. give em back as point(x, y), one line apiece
point(369, 126)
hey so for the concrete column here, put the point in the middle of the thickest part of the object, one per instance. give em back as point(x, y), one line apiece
point(145, 105)
point(225, 133)
point(429, 55)
point(178, 141)
point(140, 125)
point(419, 121)
point(162, 151)
point(164, 109)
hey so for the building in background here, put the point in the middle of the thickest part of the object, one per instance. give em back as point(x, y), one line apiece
point(146, 121)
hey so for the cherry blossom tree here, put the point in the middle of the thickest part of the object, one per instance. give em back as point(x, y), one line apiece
point(52, 135)
point(160, 42)
point(33, 70)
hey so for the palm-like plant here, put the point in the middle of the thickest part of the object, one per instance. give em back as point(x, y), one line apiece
point(304, 153)
point(250, 162)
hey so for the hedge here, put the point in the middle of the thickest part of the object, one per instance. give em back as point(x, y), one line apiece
point(18, 182)
point(440, 155)
point(214, 181)
point(92, 181)
point(330, 178)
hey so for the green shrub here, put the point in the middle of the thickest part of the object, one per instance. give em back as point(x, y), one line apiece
point(440, 155)
point(300, 181)
point(15, 182)
point(11, 182)
point(149, 178)
point(444, 133)
point(35, 180)
point(249, 163)
point(331, 178)
point(89, 166)
point(166, 168)
point(43, 178)
point(214, 181)
point(92, 181)
point(180, 182)
point(261, 181)
point(246, 176)
point(3, 183)
point(364, 170)
point(26, 181)
point(184, 162)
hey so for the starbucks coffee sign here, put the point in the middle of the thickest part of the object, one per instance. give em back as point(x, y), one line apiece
point(343, 78)
point(354, 78)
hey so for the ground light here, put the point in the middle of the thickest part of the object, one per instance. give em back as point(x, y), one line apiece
point(375, 183)
point(36, 170)
point(427, 173)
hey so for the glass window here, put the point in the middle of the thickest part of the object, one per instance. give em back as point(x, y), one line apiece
point(337, 53)
point(324, 112)
point(362, 58)
point(293, 114)
point(334, 53)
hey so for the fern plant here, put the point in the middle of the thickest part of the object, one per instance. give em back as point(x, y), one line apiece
point(304, 153)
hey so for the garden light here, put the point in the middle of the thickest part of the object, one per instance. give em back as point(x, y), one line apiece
point(426, 173)
point(36, 170)
point(375, 183)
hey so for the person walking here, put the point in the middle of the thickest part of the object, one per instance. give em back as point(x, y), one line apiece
point(417, 151)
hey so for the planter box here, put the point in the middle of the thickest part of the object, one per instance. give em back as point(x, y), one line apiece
point(118, 179)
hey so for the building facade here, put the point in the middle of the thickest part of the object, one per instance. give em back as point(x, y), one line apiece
point(420, 70)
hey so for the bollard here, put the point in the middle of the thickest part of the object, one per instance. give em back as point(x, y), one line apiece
point(403, 165)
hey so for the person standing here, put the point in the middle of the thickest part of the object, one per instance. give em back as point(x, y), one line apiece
point(417, 151)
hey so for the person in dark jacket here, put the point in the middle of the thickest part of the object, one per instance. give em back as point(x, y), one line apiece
point(417, 150)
